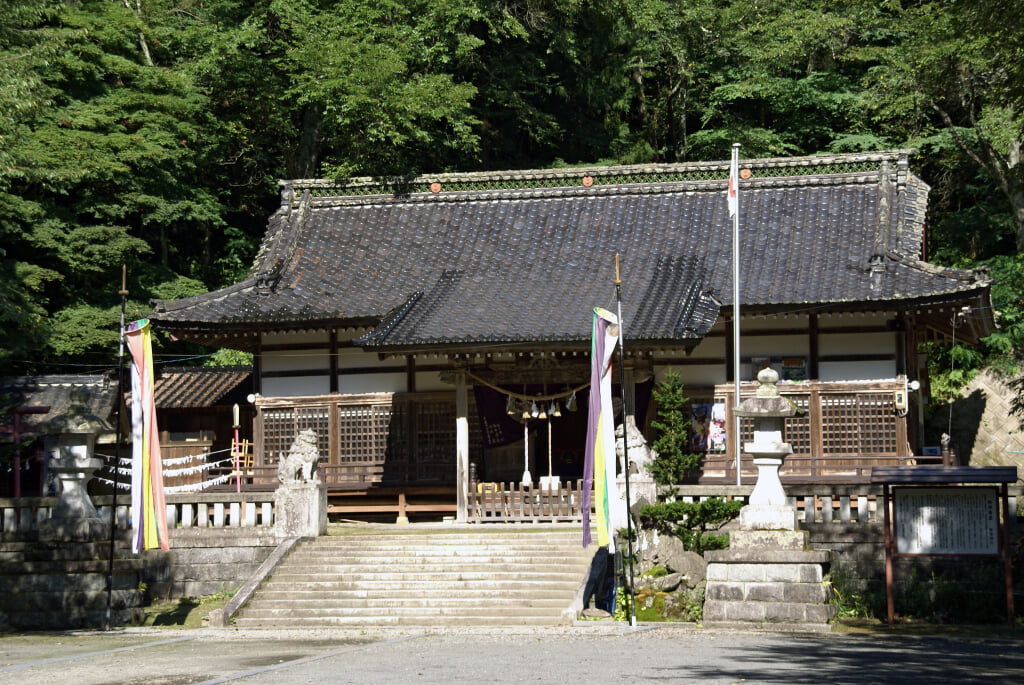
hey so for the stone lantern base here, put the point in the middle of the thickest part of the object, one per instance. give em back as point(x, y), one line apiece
point(768, 579)
point(74, 530)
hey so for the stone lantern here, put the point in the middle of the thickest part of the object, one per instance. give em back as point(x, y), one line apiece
point(767, 508)
point(71, 461)
point(768, 576)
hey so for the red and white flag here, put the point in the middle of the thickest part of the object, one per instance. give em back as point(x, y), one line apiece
point(732, 194)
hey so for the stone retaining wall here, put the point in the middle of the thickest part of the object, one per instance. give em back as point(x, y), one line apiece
point(858, 562)
point(203, 562)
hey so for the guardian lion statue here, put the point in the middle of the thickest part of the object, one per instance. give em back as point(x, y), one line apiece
point(640, 454)
point(299, 465)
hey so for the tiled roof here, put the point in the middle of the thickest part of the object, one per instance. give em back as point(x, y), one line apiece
point(202, 386)
point(68, 398)
point(524, 256)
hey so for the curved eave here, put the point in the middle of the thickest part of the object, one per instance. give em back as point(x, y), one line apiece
point(526, 345)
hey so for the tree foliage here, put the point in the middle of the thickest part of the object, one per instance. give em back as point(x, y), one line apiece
point(152, 132)
point(674, 461)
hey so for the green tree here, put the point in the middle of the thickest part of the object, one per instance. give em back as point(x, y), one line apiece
point(96, 166)
point(694, 523)
point(959, 69)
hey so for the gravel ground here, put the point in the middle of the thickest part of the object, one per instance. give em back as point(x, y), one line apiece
point(570, 654)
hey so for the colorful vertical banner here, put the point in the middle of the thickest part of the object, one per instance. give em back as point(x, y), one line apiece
point(149, 507)
point(599, 459)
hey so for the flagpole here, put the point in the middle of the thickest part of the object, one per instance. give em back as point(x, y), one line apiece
point(734, 206)
point(625, 442)
point(123, 292)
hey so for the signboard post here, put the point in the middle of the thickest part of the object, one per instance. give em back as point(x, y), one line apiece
point(941, 511)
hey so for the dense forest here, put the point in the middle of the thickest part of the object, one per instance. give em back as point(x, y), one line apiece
point(152, 132)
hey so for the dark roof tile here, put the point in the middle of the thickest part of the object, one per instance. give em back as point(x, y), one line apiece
point(517, 259)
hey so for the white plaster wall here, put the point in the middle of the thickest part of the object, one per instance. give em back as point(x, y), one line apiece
point(357, 359)
point(296, 360)
point(371, 382)
point(693, 376)
point(775, 346)
point(428, 381)
point(710, 348)
point(857, 343)
point(856, 371)
point(298, 386)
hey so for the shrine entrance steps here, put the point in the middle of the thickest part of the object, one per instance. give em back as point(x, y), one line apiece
point(466, 575)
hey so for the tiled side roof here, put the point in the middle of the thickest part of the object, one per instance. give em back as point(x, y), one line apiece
point(205, 386)
point(477, 260)
point(65, 395)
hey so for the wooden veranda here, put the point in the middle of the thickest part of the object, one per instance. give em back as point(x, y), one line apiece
point(395, 453)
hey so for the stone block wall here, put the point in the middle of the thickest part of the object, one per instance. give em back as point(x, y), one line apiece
point(203, 562)
point(46, 585)
point(858, 555)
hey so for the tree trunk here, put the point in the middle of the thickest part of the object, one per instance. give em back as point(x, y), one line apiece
point(307, 157)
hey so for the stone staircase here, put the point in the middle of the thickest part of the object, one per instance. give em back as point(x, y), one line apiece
point(506, 576)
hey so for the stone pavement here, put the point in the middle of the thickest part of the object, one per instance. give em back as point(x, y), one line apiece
point(582, 653)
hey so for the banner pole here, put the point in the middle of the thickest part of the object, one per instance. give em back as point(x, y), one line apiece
point(734, 183)
point(123, 292)
point(625, 442)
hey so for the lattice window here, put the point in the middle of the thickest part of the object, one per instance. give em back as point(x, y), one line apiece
point(435, 434)
point(282, 424)
point(858, 424)
point(363, 433)
point(798, 428)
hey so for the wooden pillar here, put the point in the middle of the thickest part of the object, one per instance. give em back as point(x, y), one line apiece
point(257, 366)
point(889, 551)
point(461, 446)
point(813, 373)
point(410, 373)
point(817, 427)
point(333, 363)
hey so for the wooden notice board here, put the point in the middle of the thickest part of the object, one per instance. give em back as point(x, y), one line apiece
point(946, 511)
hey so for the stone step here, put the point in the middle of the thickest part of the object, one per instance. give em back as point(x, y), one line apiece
point(447, 578)
point(450, 541)
point(486, 553)
point(413, 590)
point(542, 566)
point(457, 575)
point(385, 620)
point(483, 607)
point(452, 603)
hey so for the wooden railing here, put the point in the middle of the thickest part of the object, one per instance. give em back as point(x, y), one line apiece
point(186, 510)
point(352, 476)
point(820, 504)
point(847, 428)
point(513, 502)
